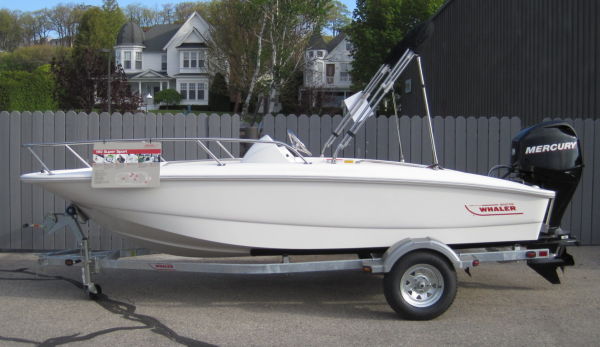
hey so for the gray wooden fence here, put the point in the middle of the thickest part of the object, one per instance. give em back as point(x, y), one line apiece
point(467, 144)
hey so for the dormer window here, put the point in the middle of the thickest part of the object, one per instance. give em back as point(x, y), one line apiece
point(192, 59)
point(127, 59)
point(311, 54)
point(320, 54)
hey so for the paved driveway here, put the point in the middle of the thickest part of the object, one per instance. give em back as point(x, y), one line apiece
point(502, 304)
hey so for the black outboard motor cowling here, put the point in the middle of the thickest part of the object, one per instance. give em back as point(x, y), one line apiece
point(549, 155)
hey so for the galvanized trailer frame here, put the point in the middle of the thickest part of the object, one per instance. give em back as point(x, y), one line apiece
point(93, 262)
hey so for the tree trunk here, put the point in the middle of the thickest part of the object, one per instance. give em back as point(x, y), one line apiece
point(256, 70)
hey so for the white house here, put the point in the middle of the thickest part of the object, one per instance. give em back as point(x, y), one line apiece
point(327, 71)
point(166, 56)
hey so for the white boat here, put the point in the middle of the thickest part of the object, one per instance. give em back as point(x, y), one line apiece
point(256, 204)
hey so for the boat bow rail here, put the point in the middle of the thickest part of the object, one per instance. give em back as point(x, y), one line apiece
point(200, 141)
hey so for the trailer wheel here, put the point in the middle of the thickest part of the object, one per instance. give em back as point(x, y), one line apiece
point(420, 286)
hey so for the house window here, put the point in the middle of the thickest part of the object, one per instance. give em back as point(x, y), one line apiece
point(183, 91)
point(127, 59)
point(320, 54)
point(186, 59)
point(192, 95)
point(311, 54)
point(193, 59)
point(163, 62)
point(348, 46)
point(117, 58)
point(345, 72)
point(330, 72)
point(138, 60)
point(200, 91)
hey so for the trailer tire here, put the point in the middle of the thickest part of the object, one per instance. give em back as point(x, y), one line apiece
point(420, 286)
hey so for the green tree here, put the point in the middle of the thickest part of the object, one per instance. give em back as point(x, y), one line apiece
point(377, 26)
point(219, 94)
point(30, 58)
point(10, 31)
point(338, 17)
point(99, 27)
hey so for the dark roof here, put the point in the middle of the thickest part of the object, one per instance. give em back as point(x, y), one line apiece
point(130, 34)
point(335, 41)
point(158, 36)
point(192, 45)
point(316, 41)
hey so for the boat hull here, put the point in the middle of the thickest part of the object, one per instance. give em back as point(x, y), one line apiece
point(206, 216)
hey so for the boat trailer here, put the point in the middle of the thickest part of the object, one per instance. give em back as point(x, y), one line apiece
point(419, 274)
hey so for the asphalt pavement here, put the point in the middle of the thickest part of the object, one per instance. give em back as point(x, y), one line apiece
point(502, 304)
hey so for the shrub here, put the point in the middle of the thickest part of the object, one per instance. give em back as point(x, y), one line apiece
point(168, 96)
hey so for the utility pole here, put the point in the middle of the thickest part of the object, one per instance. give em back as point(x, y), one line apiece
point(108, 91)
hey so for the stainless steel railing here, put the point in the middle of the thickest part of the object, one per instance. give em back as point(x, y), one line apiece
point(199, 140)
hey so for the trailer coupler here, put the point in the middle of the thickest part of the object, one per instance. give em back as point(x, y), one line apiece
point(547, 267)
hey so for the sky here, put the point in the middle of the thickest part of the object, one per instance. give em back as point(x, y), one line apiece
point(32, 5)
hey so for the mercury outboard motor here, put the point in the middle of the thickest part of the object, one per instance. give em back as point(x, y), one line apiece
point(549, 155)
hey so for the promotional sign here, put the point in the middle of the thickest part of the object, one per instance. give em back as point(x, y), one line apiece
point(126, 165)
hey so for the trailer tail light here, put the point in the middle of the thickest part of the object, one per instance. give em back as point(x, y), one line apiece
point(475, 262)
point(531, 254)
point(543, 253)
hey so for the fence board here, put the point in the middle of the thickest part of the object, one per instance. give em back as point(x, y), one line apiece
point(393, 146)
point(416, 125)
point(325, 132)
point(291, 124)
point(15, 185)
point(37, 208)
point(48, 198)
point(95, 231)
point(168, 130)
point(235, 132)
point(449, 145)
point(382, 141)
point(268, 126)
point(191, 130)
point(314, 138)
point(214, 130)
point(482, 145)
point(461, 144)
point(493, 142)
point(280, 127)
point(146, 125)
point(5, 203)
point(471, 149)
point(116, 132)
point(225, 127)
point(202, 125)
point(304, 131)
point(104, 132)
point(438, 136)
point(26, 191)
point(179, 131)
point(405, 137)
point(504, 141)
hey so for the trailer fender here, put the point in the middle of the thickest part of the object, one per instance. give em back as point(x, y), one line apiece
point(405, 246)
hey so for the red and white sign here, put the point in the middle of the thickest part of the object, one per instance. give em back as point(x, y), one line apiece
point(506, 209)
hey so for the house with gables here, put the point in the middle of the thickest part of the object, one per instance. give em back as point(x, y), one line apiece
point(327, 71)
point(166, 56)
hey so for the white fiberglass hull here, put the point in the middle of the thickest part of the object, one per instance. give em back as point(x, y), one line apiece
point(205, 210)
